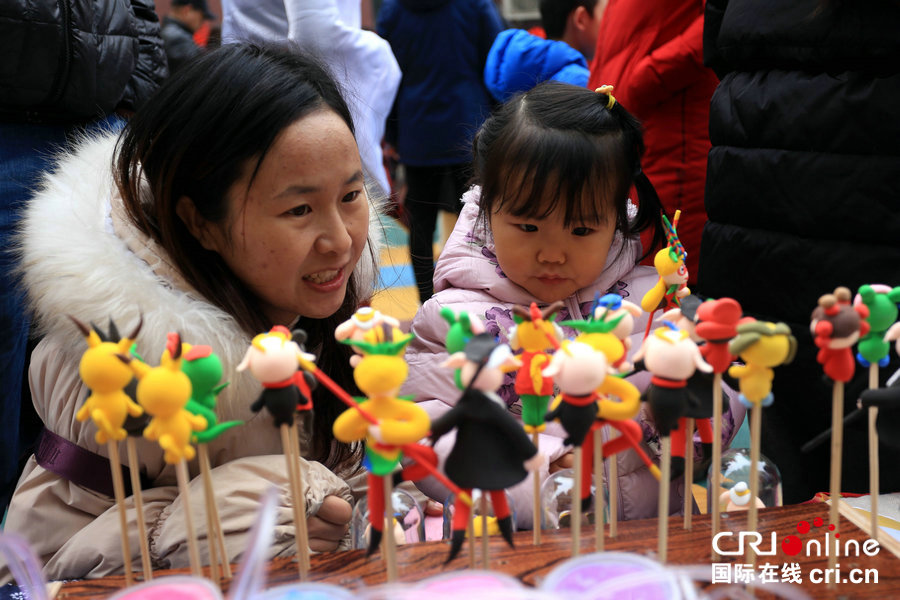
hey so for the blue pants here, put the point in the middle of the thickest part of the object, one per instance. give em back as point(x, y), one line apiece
point(26, 151)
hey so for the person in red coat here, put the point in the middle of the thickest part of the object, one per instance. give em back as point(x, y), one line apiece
point(652, 52)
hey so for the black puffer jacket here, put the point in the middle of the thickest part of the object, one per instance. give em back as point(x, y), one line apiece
point(803, 191)
point(73, 60)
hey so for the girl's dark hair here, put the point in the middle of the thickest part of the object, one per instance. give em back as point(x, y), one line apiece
point(215, 118)
point(563, 139)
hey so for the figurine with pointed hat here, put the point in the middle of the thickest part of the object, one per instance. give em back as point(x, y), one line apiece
point(491, 452)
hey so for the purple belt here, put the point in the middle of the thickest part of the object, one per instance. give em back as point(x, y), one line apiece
point(79, 465)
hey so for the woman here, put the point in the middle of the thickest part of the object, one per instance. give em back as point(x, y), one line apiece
point(233, 202)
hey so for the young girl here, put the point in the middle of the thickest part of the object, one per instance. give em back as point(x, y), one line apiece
point(233, 202)
point(549, 220)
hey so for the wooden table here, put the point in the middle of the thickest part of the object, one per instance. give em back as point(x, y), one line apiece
point(530, 564)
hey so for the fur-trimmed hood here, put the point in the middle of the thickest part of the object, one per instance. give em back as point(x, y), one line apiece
point(81, 257)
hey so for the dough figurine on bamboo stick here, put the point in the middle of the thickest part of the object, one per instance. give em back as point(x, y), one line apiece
point(612, 307)
point(272, 359)
point(836, 325)
point(163, 392)
point(673, 274)
point(491, 452)
point(585, 384)
point(672, 357)
point(398, 422)
point(109, 406)
point(881, 300)
point(534, 334)
point(887, 399)
point(106, 377)
point(365, 320)
point(761, 346)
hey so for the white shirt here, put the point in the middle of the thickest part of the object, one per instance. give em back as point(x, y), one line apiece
point(360, 61)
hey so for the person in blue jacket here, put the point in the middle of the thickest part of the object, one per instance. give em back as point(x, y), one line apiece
point(518, 60)
point(441, 47)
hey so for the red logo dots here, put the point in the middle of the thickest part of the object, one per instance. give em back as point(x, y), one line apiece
point(791, 545)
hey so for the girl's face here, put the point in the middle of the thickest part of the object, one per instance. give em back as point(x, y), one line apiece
point(548, 259)
point(295, 236)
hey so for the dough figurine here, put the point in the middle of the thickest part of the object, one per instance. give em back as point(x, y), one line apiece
point(106, 377)
point(532, 334)
point(379, 374)
point(673, 274)
point(491, 452)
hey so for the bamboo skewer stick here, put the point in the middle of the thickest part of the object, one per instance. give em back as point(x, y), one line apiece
point(688, 472)
point(576, 504)
point(298, 477)
point(613, 487)
point(873, 454)
point(485, 547)
point(537, 509)
point(715, 483)
point(389, 543)
point(663, 508)
point(194, 553)
point(471, 531)
point(598, 494)
point(216, 538)
point(119, 492)
point(753, 510)
point(837, 444)
point(296, 497)
point(131, 449)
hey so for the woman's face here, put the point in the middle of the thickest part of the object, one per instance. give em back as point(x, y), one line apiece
point(295, 236)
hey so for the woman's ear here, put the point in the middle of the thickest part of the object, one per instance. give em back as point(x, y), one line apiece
point(196, 224)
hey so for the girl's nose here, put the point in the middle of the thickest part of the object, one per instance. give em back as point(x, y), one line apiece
point(551, 253)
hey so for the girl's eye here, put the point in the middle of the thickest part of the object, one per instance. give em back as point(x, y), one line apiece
point(299, 211)
point(528, 227)
point(582, 231)
point(350, 197)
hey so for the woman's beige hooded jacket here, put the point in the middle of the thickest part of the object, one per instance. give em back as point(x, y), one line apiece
point(82, 257)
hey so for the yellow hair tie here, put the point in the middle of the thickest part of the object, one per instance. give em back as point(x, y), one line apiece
point(607, 89)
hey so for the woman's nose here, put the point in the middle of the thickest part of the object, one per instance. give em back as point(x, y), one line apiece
point(334, 236)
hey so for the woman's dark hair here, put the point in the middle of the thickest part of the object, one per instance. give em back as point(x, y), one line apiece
point(562, 136)
point(215, 118)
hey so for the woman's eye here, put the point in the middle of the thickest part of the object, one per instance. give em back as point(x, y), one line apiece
point(582, 231)
point(299, 211)
point(350, 197)
point(528, 227)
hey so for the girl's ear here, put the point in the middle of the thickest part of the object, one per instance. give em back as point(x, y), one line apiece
point(194, 221)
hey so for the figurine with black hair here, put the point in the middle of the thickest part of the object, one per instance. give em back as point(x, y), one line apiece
point(491, 452)
point(836, 325)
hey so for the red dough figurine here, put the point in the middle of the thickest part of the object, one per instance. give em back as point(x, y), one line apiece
point(533, 333)
point(837, 325)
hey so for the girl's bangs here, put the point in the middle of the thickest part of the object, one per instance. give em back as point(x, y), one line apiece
point(543, 170)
